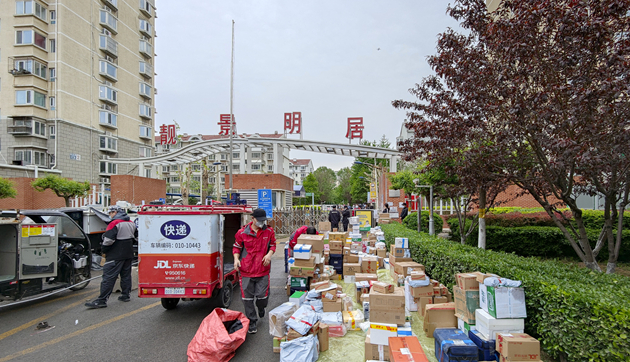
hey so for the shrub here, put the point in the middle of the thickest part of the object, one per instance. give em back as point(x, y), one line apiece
point(411, 221)
point(577, 314)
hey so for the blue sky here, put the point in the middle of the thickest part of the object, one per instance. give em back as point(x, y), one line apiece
point(328, 59)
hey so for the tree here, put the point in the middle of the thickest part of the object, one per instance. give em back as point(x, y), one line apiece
point(7, 189)
point(534, 94)
point(343, 190)
point(62, 187)
point(326, 179)
point(361, 172)
point(311, 185)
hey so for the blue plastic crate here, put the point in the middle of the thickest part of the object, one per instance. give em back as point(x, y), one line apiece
point(451, 344)
point(486, 347)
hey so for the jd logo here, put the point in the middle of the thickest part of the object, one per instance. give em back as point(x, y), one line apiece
point(162, 264)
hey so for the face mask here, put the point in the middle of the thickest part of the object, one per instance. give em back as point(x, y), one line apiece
point(260, 224)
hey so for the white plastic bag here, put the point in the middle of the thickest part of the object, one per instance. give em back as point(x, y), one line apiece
point(278, 318)
point(303, 319)
point(331, 318)
point(303, 349)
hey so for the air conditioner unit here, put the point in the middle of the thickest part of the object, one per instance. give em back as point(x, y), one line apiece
point(106, 107)
point(107, 32)
point(145, 38)
point(109, 59)
point(107, 9)
point(103, 180)
point(103, 157)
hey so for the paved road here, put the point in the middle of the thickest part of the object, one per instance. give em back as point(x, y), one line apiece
point(140, 330)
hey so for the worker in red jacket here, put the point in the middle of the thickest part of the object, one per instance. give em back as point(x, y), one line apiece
point(288, 247)
point(256, 243)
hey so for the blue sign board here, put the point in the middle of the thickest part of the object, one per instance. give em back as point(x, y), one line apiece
point(162, 200)
point(264, 201)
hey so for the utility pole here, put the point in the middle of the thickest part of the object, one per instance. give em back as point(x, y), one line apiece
point(481, 241)
point(231, 108)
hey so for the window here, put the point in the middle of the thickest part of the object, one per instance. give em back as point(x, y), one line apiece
point(51, 132)
point(212, 180)
point(107, 93)
point(146, 132)
point(53, 45)
point(236, 155)
point(145, 90)
point(147, 172)
point(255, 167)
point(107, 168)
point(29, 157)
point(53, 16)
point(223, 156)
point(146, 48)
point(196, 168)
point(107, 118)
point(108, 45)
point(146, 69)
point(26, 66)
point(145, 110)
point(30, 8)
point(255, 154)
point(146, 7)
point(52, 103)
point(175, 190)
point(53, 74)
point(236, 167)
point(302, 168)
point(174, 168)
point(270, 168)
point(174, 179)
point(224, 168)
point(145, 152)
point(39, 129)
point(145, 27)
point(303, 175)
point(108, 143)
point(108, 70)
point(108, 20)
point(30, 97)
point(196, 178)
point(270, 156)
point(23, 37)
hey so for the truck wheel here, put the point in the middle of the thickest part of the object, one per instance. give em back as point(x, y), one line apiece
point(169, 303)
point(225, 294)
point(76, 280)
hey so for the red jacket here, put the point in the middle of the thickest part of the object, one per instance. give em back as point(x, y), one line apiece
point(296, 235)
point(255, 246)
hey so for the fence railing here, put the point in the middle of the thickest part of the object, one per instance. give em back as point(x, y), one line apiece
point(287, 220)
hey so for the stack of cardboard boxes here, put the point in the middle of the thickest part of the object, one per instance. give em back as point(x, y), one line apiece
point(517, 347)
point(308, 264)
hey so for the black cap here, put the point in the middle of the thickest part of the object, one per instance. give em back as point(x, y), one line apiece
point(334, 206)
point(259, 214)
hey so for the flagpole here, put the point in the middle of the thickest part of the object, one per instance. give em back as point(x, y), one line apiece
point(231, 108)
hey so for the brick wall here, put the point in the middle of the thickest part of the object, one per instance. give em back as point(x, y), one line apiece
point(260, 181)
point(510, 198)
point(392, 201)
point(28, 198)
point(135, 189)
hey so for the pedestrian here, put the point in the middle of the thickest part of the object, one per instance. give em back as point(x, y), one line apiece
point(386, 209)
point(117, 248)
point(345, 214)
point(256, 242)
point(404, 212)
point(334, 217)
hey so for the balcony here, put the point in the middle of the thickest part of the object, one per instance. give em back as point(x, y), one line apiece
point(113, 4)
point(108, 45)
point(23, 130)
point(146, 49)
point(146, 69)
point(109, 21)
point(146, 7)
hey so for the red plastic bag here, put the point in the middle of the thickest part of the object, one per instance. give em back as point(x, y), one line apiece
point(212, 342)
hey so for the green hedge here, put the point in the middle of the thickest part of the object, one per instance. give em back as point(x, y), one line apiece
point(411, 221)
point(512, 216)
point(547, 242)
point(582, 315)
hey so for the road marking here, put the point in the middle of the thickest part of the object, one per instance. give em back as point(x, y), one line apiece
point(77, 333)
point(47, 316)
point(75, 294)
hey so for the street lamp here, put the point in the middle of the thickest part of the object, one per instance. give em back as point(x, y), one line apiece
point(217, 181)
point(375, 168)
point(431, 224)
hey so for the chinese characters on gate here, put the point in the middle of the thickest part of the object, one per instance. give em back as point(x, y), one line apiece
point(168, 134)
point(293, 123)
point(355, 128)
point(224, 123)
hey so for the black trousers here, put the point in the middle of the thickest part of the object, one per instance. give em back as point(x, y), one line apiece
point(334, 225)
point(345, 225)
point(111, 270)
point(254, 291)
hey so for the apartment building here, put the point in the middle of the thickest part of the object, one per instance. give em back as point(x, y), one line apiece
point(78, 87)
point(245, 160)
point(299, 169)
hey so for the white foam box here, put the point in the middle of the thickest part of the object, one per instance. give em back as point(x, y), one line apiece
point(302, 251)
point(503, 302)
point(465, 327)
point(401, 243)
point(380, 333)
point(319, 258)
point(490, 326)
point(411, 304)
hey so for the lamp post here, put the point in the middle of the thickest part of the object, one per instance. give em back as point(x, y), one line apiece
point(217, 180)
point(375, 168)
point(431, 223)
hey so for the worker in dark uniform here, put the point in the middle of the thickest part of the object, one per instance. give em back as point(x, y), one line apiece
point(334, 217)
point(345, 214)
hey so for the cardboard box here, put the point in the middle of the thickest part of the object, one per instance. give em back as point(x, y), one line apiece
point(405, 267)
point(298, 298)
point(298, 282)
point(369, 265)
point(380, 332)
point(323, 337)
point(375, 352)
point(401, 253)
point(481, 276)
point(346, 251)
point(423, 303)
point(381, 253)
point(336, 246)
point(439, 316)
point(323, 226)
point(329, 296)
point(337, 236)
point(394, 316)
point(417, 275)
point(320, 285)
point(362, 288)
point(316, 241)
point(356, 247)
point(276, 343)
point(490, 326)
point(309, 263)
point(351, 268)
point(388, 301)
point(302, 251)
point(467, 281)
point(352, 258)
point(292, 334)
point(383, 288)
point(402, 243)
point(406, 349)
point(466, 302)
point(518, 346)
point(437, 291)
point(297, 271)
point(441, 299)
point(503, 302)
point(336, 306)
point(363, 277)
point(419, 292)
